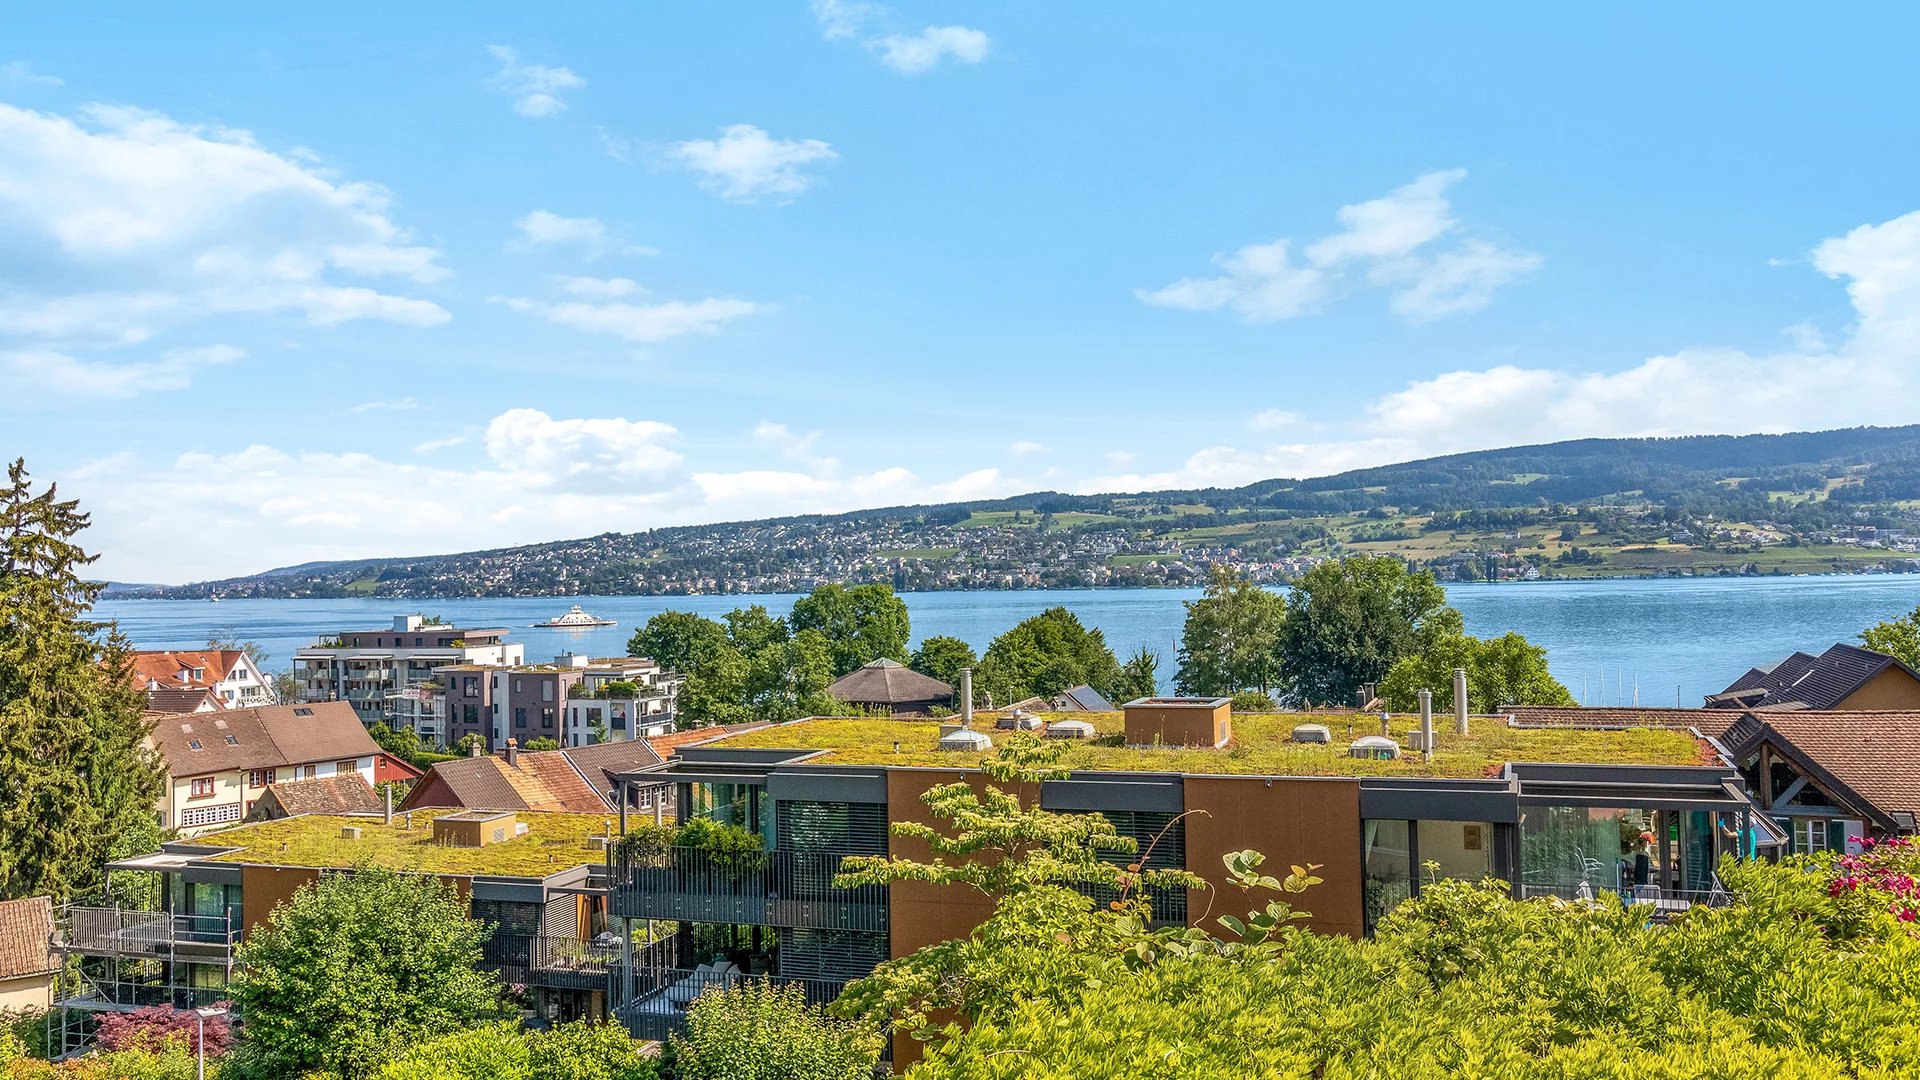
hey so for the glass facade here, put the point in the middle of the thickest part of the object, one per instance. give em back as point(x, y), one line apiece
point(1398, 854)
point(1582, 851)
point(745, 805)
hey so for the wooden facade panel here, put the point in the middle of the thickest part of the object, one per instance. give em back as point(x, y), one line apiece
point(1290, 821)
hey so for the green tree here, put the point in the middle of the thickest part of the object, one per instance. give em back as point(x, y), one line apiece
point(751, 629)
point(680, 641)
point(1898, 638)
point(229, 639)
point(1230, 638)
point(789, 679)
point(1139, 676)
point(758, 1031)
point(1349, 621)
point(542, 742)
point(354, 969)
point(77, 781)
point(402, 743)
point(941, 657)
point(1045, 654)
point(861, 623)
point(1502, 671)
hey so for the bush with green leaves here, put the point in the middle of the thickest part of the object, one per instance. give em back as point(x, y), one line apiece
point(761, 1031)
point(578, 1051)
point(355, 968)
point(1794, 980)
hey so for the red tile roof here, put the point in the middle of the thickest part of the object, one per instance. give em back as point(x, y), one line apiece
point(164, 665)
point(345, 793)
point(1874, 755)
point(1708, 722)
point(26, 933)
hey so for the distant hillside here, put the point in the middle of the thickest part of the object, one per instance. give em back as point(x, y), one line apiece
point(1589, 506)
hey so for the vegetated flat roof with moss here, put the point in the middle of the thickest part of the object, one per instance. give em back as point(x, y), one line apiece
point(553, 842)
point(1261, 746)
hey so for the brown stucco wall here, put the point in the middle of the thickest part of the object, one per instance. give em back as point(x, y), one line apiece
point(264, 888)
point(1290, 821)
point(1891, 689)
point(1179, 725)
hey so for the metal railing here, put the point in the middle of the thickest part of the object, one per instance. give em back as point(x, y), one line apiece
point(769, 888)
point(112, 931)
point(546, 960)
point(661, 997)
point(1651, 896)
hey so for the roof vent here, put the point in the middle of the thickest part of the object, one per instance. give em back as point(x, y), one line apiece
point(349, 832)
point(1374, 748)
point(966, 739)
point(1018, 720)
point(1070, 729)
point(1312, 733)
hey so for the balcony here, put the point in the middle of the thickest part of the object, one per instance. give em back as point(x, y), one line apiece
point(542, 960)
point(118, 932)
point(658, 1008)
point(773, 888)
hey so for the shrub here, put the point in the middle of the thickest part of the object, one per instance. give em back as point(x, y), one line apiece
point(758, 1031)
point(153, 1029)
point(1253, 701)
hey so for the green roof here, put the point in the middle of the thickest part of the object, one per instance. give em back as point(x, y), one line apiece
point(1261, 746)
point(553, 842)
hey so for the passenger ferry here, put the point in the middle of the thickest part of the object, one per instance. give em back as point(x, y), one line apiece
point(575, 620)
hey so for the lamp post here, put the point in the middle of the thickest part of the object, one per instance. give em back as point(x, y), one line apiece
point(200, 1018)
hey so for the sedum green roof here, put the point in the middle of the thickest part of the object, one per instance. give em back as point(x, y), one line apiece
point(1261, 746)
point(553, 842)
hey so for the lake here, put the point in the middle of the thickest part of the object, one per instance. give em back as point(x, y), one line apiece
point(1611, 642)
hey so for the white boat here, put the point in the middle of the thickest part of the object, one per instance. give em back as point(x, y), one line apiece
point(575, 620)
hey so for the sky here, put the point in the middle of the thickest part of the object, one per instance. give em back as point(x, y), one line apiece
point(293, 282)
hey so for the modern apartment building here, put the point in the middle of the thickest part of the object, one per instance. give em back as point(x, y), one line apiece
point(386, 674)
point(1189, 781)
point(572, 700)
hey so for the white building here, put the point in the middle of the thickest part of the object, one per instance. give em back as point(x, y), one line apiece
point(190, 680)
point(373, 670)
point(219, 762)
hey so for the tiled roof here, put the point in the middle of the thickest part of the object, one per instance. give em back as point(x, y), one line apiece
point(272, 735)
point(26, 931)
point(1805, 681)
point(183, 699)
point(345, 793)
point(574, 779)
point(164, 665)
point(885, 682)
point(1708, 722)
point(1875, 755)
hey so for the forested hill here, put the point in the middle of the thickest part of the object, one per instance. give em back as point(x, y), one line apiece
point(1582, 507)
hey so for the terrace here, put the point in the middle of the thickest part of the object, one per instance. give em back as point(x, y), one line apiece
point(1261, 745)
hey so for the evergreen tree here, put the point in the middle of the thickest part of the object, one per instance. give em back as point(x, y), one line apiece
point(78, 784)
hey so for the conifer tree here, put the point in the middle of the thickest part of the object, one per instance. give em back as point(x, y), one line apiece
point(78, 782)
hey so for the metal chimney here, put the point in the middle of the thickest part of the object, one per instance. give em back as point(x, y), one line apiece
point(389, 815)
point(1460, 701)
point(1426, 722)
point(966, 697)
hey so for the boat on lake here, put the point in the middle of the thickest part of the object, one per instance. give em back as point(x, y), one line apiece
point(575, 620)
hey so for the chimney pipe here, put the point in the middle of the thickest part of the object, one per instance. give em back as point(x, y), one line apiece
point(966, 697)
point(473, 749)
point(389, 815)
point(1426, 722)
point(1460, 701)
point(513, 752)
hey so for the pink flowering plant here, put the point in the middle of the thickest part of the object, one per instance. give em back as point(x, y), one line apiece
point(1885, 874)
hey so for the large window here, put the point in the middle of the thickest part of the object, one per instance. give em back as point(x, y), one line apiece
point(745, 805)
point(1388, 848)
point(1400, 855)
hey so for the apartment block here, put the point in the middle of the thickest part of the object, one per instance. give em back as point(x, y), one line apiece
point(575, 700)
point(387, 675)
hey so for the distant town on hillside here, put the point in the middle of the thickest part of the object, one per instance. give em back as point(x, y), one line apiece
point(1843, 501)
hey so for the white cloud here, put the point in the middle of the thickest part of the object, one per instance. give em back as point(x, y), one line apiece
point(155, 223)
point(1120, 459)
point(795, 447)
point(1872, 376)
point(1027, 448)
point(917, 54)
point(543, 228)
point(434, 446)
point(34, 375)
point(594, 288)
point(1389, 242)
point(528, 440)
point(908, 54)
point(745, 163)
point(21, 73)
point(641, 323)
point(535, 88)
point(405, 404)
point(1275, 419)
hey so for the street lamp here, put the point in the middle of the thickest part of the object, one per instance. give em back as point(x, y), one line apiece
point(200, 1018)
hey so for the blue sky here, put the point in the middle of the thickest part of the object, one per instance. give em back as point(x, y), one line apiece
point(392, 279)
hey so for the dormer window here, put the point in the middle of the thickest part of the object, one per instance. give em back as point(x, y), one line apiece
point(193, 744)
point(231, 741)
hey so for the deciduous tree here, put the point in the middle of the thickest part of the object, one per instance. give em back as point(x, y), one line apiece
point(1230, 638)
point(861, 623)
point(1045, 654)
point(1348, 622)
point(1501, 671)
point(1898, 638)
point(941, 657)
point(354, 969)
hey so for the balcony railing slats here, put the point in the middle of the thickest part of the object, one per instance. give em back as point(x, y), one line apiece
point(661, 996)
point(123, 932)
point(546, 960)
point(772, 888)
